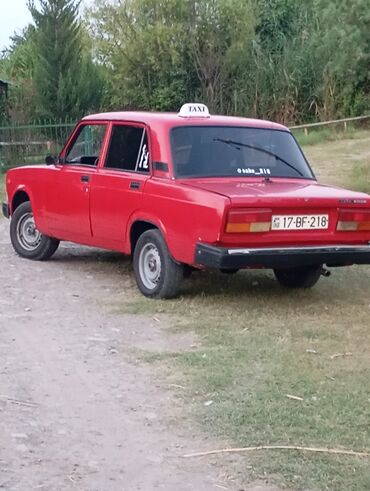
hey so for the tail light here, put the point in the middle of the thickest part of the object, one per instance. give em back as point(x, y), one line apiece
point(353, 220)
point(248, 220)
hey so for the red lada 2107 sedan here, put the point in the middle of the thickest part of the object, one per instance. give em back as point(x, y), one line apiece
point(188, 190)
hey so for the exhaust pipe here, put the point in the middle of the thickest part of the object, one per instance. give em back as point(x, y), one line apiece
point(325, 272)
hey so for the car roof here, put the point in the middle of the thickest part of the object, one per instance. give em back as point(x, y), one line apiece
point(173, 119)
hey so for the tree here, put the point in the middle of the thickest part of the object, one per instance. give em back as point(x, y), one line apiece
point(345, 46)
point(287, 60)
point(284, 66)
point(3, 104)
point(143, 46)
point(221, 35)
point(66, 82)
point(17, 65)
point(162, 53)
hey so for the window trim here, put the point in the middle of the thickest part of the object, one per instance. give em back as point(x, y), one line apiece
point(102, 163)
point(174, 166)
point(72, 140)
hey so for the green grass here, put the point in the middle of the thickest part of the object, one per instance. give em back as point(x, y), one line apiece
point(252, 352)
point(360, 177)
point(343, 162)
point(322, 135)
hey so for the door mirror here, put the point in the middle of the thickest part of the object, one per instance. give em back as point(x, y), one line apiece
point(50, 160)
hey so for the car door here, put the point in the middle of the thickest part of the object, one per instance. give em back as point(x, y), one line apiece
point(117, 187)
point(68, 196)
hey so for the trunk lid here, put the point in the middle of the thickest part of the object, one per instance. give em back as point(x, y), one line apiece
point(279, 192)
point(287, 198)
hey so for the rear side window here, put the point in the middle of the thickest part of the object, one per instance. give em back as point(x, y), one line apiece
point(128, 149)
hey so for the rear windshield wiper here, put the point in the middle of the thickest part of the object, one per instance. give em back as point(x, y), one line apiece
point(237, 145)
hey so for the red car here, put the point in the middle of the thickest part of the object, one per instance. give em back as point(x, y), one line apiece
point(188, 190)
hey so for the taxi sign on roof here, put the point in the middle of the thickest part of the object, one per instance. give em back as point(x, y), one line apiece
point(194, 110)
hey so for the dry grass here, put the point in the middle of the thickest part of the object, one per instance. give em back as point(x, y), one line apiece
point(257, 344)
point(342, 162)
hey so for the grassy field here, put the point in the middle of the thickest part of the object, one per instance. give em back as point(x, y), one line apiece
point(343, 162)
point(258, 343)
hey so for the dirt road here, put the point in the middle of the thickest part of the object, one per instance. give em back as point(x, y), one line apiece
point(77, 411)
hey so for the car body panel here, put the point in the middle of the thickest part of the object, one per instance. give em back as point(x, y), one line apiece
point(188, 216)
point(113, 200)
point(296, 190)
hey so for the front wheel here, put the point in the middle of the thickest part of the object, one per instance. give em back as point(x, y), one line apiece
point(156, 273)
point(27, 241)
point(303, 277)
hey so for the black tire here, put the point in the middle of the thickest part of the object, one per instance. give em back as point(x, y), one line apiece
point(303, 277)
point(229, 270)
point(27, 241)
point(157, 274)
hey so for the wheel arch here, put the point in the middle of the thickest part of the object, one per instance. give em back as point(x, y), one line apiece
point(19, 197)
point(138, 227)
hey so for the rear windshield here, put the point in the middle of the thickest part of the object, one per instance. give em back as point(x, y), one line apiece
point(207, 151)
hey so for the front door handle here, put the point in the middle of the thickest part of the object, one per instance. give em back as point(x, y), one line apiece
point(85, 178)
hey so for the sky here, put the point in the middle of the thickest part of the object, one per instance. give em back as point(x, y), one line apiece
point(14, 16)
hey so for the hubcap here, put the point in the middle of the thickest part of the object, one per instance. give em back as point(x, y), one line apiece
point(150, 266)
point(27, 234)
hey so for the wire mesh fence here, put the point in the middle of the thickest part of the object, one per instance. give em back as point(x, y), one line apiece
point(29, 143)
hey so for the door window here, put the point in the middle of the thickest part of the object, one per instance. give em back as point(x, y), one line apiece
point(86, 146)
point(128, 149)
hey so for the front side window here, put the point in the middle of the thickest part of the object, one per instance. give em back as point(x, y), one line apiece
point(128, 149)
point(86, 146)
point(211, 151)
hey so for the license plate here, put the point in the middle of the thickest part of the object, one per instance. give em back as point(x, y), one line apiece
point(300, 222)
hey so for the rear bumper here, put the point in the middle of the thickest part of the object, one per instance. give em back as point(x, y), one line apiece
point(280, 257)
point(6, 210)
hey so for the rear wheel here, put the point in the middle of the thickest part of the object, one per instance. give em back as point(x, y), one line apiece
point(303, 277)
point(27, 241)
point(156, 273)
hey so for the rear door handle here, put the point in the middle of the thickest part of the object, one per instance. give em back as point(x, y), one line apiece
point(135, 185)
point(85, 178)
